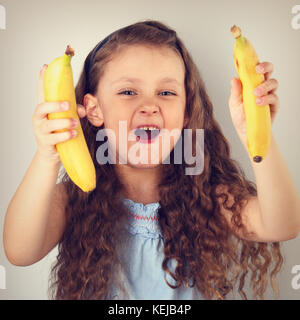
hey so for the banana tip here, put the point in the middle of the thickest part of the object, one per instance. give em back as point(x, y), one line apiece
point(257, 159)
point(236, 31)
point(69, 51)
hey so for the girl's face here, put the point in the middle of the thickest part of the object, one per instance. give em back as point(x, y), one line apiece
point(143, 85)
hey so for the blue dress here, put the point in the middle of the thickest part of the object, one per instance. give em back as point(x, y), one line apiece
point(143, 275)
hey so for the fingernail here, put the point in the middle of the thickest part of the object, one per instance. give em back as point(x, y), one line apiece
point(259, 68)
point(259, 100)
point(257, 91)
point(64, 105)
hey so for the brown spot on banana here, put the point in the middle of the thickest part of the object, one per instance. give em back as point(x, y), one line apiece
point(257, 159)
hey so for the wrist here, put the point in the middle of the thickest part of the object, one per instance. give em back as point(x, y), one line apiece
point(49, 162)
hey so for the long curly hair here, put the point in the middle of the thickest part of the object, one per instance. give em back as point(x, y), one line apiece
point(194, 231)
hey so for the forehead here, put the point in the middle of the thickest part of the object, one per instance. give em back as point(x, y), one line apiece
point(138, 59)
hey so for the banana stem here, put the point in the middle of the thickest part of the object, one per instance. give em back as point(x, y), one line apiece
point(236, 31)
point(69, 51)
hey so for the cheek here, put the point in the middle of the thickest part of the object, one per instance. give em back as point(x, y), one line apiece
point(118, 125)
point(174, 126)
point(174, 120)
point(113, 116)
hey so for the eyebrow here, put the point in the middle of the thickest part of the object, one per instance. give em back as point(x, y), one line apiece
point(136, 80)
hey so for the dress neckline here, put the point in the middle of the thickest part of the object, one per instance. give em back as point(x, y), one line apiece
point(140, 203)
point(140, 210)
point(144, 217)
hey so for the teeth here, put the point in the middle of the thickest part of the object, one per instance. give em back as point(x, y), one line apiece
point(148, 128)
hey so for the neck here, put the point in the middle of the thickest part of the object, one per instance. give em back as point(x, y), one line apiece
point(140, 184)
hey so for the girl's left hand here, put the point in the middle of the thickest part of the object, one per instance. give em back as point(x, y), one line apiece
point(265, 91)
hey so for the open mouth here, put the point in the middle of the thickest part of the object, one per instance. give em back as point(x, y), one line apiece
point(146, 134)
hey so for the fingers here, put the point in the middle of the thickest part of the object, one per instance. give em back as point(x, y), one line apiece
point(270, 99)
point(41, 84)
point(58, 124)
point(265, 68)
point(46, 140)
point(265, 87)
point(236, 97)
point(236, 85)
point(266, 91)
point(51, 132)
point(43, 109)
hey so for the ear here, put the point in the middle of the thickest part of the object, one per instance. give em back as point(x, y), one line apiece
point(93, 110)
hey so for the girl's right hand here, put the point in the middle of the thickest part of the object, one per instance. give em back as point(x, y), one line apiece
point(44, 128)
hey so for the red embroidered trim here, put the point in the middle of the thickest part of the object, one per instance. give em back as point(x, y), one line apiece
point(137, 217)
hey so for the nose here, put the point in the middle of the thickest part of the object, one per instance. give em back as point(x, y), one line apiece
point(149, 109)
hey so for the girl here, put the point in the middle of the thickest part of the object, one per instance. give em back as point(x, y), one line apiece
point(149, 230)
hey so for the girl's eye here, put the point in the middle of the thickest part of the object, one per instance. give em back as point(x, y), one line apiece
point(170, 92)
point(123, 92)
point(126, 91)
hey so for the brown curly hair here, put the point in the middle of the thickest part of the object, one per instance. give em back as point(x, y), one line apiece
point(195, 233)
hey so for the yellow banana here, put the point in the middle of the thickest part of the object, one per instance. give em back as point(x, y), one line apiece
point(258, 118)
point(74, 153)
